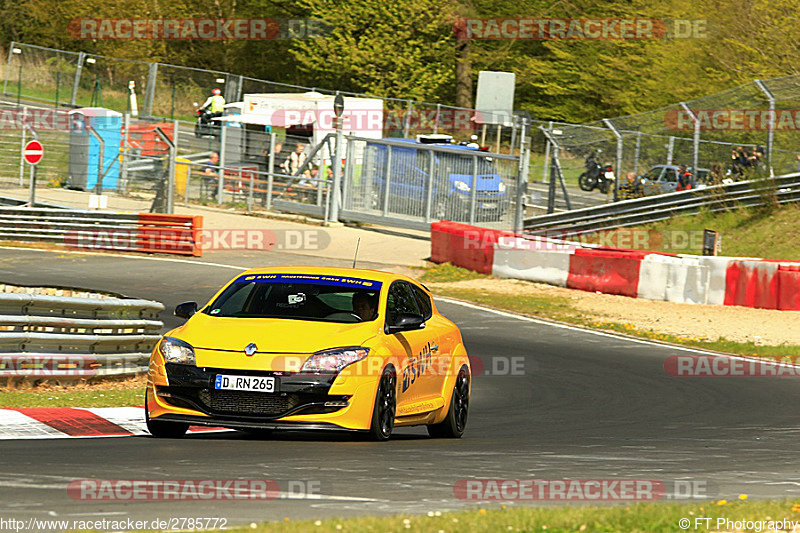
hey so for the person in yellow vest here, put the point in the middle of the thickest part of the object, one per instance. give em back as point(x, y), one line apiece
point(215, 103)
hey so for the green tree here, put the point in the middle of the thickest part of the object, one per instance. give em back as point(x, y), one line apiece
point(383, 47)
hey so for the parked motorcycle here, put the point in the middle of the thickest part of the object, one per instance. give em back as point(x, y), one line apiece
point(596, 175)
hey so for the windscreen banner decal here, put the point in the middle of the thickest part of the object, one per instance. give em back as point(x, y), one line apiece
point(312, 279)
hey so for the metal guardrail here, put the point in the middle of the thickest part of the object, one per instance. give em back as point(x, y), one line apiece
point(784, 189)
point(56, 225)
point(101, 230)
point(62, 337)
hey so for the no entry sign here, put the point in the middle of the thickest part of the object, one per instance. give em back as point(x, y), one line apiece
point(33, 152)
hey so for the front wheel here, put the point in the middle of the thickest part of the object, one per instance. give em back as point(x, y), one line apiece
point(385, 406)
point(586, 182)
point(453, 426)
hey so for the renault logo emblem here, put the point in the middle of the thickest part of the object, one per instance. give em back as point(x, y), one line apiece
point(250, 349)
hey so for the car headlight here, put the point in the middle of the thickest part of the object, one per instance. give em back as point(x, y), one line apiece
point(334, 360)
point(461, 186)
point(176, 351)
point(501, 187)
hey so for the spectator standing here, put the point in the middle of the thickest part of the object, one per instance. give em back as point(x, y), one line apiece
point(211, 173)
point(295, 160)
point(684, 179)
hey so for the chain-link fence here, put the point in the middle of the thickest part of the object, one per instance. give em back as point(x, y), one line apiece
point(167, 164)
point(421, 183)
point(744, 132)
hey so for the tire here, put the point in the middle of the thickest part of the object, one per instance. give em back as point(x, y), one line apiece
point(455, 423)
point(604, 186)
point(385, 408)
point(163, 430)
point(586, 182)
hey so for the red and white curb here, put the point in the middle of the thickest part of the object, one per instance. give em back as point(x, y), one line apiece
point(70, 422)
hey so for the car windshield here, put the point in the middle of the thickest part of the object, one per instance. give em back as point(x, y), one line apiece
point(299, 297)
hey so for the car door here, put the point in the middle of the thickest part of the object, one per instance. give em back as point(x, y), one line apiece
point(412, 350)
point(669, 180)
point(441, 345)
point(652, 181)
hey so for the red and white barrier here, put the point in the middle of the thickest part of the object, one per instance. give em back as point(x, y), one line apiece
point(532, 260)
point(673, 279)
point(66, 422)
point(750, 282)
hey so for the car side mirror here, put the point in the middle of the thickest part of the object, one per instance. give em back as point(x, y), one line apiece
point(406, 322)
point(186, 309)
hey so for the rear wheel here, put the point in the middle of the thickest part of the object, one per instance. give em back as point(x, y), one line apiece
point(385, 406)
point(163, 430)
point(454, 425)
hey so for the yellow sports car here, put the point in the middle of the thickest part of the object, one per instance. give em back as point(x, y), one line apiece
point(311, 348)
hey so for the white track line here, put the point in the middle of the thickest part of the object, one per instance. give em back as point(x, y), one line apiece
point(611, 335)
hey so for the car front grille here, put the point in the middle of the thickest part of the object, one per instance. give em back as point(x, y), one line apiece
point(248, 403)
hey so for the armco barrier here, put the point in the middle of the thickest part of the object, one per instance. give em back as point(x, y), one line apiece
point(101, 230)
point(64, 337)
point(605, 270)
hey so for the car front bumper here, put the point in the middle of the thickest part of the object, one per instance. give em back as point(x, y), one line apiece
point(186, 393)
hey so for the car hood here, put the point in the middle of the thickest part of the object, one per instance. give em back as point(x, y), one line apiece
point(271, 335)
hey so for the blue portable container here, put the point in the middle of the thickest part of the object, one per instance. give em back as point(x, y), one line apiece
point(84, 152)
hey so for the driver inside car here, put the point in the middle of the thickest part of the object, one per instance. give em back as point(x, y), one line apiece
point(365, 305)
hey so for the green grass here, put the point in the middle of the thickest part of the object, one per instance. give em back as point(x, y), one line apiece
point(641, 517)
point(58, 397)
point(571, 168)
point(773, 234)
point(447, 272)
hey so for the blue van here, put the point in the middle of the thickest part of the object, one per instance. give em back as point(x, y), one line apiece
point(409, 175)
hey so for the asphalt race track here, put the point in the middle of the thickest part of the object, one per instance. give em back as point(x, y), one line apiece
point(587, 406)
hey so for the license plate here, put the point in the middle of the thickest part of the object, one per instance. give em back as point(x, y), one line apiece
point(488, 206)
point(246, 383)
